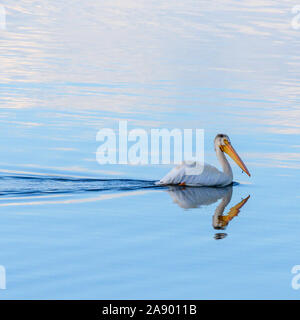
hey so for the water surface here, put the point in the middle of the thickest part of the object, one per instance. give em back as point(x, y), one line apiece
point(71, 228)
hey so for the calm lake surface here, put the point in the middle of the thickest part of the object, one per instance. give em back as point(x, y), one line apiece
point(73, 229)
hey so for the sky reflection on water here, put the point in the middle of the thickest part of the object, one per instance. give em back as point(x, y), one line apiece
point(71, 68)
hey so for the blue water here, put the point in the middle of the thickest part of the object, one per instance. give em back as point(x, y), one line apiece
point(71, 228)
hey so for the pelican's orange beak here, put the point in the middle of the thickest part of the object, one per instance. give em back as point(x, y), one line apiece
point(228, 148)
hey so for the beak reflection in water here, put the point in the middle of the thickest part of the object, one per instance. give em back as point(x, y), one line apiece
point(191, 197)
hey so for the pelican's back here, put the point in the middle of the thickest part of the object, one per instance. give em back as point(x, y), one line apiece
point(191, 174)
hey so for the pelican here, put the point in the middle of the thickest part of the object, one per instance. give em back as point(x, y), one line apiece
point(194, 174)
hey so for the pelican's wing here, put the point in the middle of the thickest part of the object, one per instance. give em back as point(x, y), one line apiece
point(192, 174)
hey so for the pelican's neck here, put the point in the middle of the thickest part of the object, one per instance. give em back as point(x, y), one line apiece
point(224, 162)
point(217, 223)
point(223, 204)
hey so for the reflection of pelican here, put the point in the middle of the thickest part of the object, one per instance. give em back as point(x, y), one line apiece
point(188, 198)
point(195, 197)
point(194, 174)
point(220, 221)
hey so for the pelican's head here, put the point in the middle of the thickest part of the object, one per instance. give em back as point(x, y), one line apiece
point(222, 141)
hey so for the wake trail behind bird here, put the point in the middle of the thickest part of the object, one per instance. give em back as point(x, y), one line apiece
point(17, 185)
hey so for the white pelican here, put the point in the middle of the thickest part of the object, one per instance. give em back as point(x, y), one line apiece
point(208, 175)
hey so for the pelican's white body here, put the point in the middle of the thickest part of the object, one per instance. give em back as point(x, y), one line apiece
point(208, 175)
